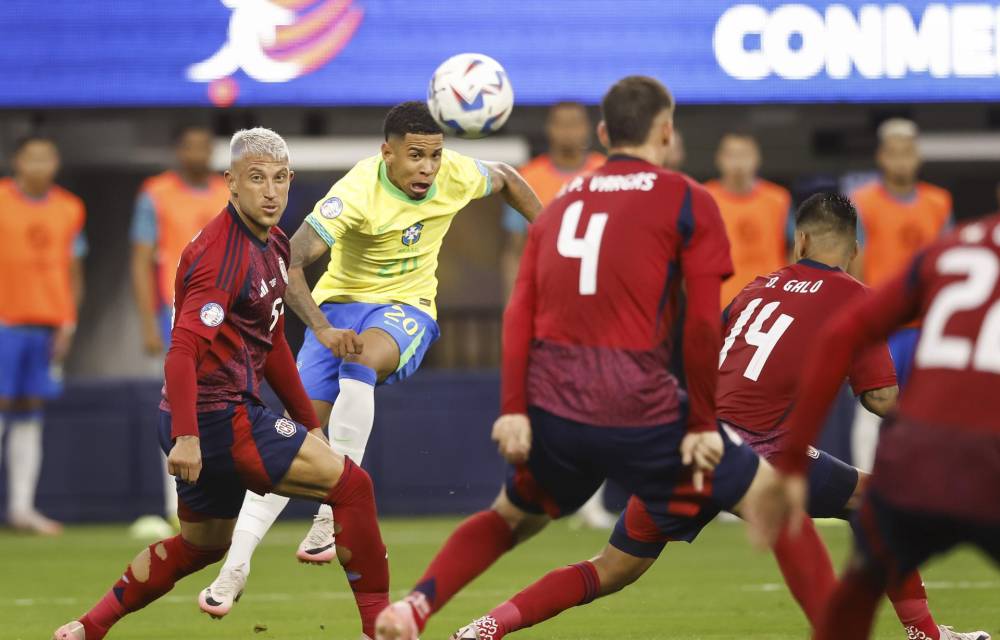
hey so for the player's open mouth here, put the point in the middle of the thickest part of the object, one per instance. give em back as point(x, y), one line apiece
point(420, 188)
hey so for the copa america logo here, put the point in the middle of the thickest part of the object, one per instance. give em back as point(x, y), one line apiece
point(276, 41)
point(331, 208)
point(285, 427)
point(212, 314)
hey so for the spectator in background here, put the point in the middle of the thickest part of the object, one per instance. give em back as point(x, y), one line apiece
point(899, 216)
point(755, 212)
point(41, 286)
point(568, 129)
point(171, 208)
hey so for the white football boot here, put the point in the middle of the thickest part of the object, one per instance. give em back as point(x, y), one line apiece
point(318, 547)
point(218, 598)
point(484, 628)
point(947, 633)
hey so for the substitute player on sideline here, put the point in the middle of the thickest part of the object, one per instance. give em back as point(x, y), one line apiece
point(769, 325)
point(228, 336)
point(41, 288)
point(946, 421)
point(371, 317)
point(171, 208)
point(587, 393)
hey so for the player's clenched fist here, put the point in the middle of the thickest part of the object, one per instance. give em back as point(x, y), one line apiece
point(184, 461)
point(512, 433)
point(340, 342)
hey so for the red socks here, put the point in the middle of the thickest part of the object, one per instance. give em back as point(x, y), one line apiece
point(805, 564)
point(469, 551)
point(557, 591)
point(353, 502)
point(852, 607)
point(909, 599)
point(151, 575)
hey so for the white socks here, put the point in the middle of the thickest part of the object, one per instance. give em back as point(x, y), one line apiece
point(351, 422)
point(24, 462)
point(256, 517)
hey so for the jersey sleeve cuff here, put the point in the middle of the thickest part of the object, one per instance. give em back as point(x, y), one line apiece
point(320, 230)
point(888, 381)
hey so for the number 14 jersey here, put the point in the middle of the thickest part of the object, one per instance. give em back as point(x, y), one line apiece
point(768, 330)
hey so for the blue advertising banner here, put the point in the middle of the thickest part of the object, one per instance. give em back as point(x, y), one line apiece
point(377, 52)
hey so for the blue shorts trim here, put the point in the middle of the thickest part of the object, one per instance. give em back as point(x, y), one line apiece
point(26, 357)
point(242, 447)
point(903, 348)
point(569, 461)
point(413, 331)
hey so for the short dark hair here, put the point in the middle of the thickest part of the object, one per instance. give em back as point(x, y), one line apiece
point(24, 141)
point(828, 212)
point(742, 134)
point(630, 106)
point(177, 133)
point(567, 104)
point(410, 117)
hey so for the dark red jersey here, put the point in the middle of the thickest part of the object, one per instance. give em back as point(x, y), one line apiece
point(229, 290)
point(586, 334)
point(942, 452)
point(769, 326)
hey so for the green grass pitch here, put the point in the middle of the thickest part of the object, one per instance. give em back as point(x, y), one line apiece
point(716, 588)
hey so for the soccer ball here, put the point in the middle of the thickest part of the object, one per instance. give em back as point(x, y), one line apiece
point(470, 95)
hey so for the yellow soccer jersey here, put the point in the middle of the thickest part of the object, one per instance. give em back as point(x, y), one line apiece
point(384, 245)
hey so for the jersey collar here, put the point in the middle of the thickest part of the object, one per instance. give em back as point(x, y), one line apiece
point(624, 157)
point(817, 265)
point(238, 221)
point(398, 193)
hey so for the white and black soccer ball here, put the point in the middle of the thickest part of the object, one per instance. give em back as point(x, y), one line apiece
point(470, 95)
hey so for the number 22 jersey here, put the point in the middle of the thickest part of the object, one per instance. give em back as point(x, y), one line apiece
point(768, 329)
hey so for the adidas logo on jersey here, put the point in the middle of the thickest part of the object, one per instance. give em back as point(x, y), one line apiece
point(263, 288)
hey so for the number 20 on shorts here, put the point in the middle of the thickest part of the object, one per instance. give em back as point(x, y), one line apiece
point(396, 316)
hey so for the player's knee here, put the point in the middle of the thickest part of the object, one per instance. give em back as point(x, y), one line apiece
point(523, 524)
point(618, 571)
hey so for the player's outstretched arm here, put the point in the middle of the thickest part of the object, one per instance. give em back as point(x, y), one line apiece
point(514, 189)
point(307, 247)
point(880, 401)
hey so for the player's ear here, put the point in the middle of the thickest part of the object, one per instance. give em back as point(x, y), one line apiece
point(602, 134)
point(230, 182)
point(386, 150)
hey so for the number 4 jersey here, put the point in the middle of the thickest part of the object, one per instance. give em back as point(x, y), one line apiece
point(769, 327)
point(586, 335)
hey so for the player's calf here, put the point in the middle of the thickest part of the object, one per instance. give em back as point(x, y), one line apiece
point(320, 474)
point(149, 576)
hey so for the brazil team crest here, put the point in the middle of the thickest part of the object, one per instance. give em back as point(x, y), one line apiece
point(412, 234)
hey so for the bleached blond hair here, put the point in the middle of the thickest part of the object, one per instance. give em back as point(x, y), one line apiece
point(258, 142)
point(901, 127)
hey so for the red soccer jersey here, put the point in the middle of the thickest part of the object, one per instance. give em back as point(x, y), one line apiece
point(229, 290)
point(942, 455)
point(586, 335)
point(769, 325)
